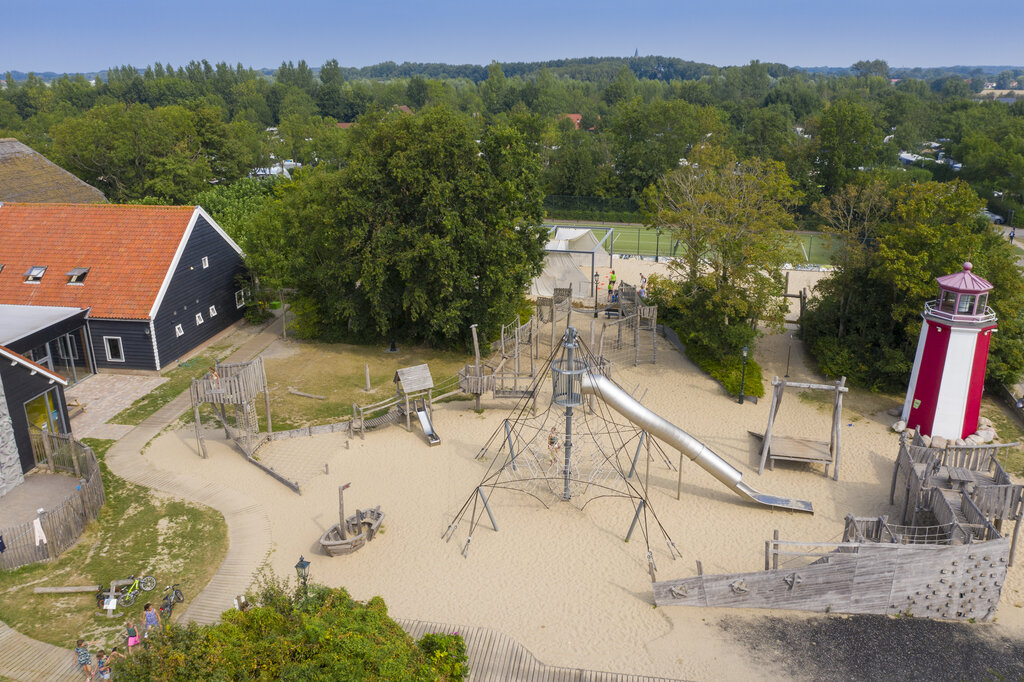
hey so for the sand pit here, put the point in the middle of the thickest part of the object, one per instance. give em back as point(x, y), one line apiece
point(562, 581)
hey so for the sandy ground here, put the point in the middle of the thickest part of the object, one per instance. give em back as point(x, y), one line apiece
point(561, 580)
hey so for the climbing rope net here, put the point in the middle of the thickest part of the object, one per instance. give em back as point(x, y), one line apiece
point(574, 453)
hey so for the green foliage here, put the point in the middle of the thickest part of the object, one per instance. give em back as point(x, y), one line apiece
point(865, 322)
point(728, 217)
point(728, 370)
point(424, 232)
point(314, 633)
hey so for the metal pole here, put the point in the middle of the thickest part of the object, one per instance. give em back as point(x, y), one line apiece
point(657, 247)
point(636, 517)
point(488, 508)
point(743, 374)
point(511, 450)
point(570, 344)
point(639, 446)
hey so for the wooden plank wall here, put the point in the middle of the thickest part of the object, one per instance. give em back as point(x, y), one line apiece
point(945, 581)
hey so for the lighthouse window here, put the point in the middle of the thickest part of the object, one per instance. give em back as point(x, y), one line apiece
point(982, 302)
point(948, 301)
point(965, 306)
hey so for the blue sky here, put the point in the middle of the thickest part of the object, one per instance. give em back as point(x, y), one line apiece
point(71, 35)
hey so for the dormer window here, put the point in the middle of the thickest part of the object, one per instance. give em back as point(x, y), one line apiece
point(35, 273)
point(77, 275)
point(206, 262)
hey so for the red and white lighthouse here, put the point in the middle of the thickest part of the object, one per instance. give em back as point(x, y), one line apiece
point(944, 396)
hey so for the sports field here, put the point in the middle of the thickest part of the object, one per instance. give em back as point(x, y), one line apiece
point(807, 247)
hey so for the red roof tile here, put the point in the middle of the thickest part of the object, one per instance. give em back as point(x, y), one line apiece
point(128, 250)
point(32, 366)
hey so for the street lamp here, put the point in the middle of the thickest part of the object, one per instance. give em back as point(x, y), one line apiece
point(743, 374)
point(302, 570)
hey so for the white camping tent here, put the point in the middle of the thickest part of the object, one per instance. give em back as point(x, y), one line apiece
point(560, 271)
point(580, 240)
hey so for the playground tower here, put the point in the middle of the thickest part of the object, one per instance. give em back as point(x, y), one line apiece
point(944, 396)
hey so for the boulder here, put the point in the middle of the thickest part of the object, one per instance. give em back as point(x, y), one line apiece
point(900, 426)
point(894, 411)
point(986, 435)
point(960, 442)
point(984, 421)
point(927, 440)
point(973, 439)
point(939, 442)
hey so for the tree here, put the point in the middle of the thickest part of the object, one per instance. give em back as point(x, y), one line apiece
point(848, 139)
point(874, 67)
point(865, 322)
point(312, 633)
point(728, 217)
point(423, 232)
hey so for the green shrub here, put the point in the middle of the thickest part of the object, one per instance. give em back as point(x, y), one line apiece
point(314, 633)
point(728, 371)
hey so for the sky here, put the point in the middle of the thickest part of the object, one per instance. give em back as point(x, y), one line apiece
point(73, 36)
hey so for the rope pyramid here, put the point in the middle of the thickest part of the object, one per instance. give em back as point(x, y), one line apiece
point(566, 454)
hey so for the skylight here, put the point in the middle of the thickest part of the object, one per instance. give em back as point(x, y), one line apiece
point(77, 275)
point(35, 273)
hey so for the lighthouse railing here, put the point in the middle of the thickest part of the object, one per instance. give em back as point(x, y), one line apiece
point(932, 309)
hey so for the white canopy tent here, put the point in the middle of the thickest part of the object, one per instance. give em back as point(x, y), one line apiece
point(569, 252)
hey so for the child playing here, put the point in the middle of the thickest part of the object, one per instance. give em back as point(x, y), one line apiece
point(102, 665)
point(152, 620)
point(83, 659)
point(132, 633)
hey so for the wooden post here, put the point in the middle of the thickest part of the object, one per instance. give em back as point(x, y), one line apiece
point(198, 423)
point(772, 409)
point(647, 469)
point(775, 554)
point(837, 419)
point(366, 368)
point(679, 485)
point(552, 321)
point(47, 449)
point(767, 554)
point(636, 340)
point(592, 335)
point(341, 510)
point(476, 354)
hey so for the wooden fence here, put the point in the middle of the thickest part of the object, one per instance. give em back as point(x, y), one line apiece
point(63, 524)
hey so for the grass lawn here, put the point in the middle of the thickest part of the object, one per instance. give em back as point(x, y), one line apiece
point(807, 247)
point(178, 381)
point(138, 532)
point(337, 371)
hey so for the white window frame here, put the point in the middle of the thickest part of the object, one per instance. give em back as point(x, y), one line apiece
point(199, 319)
point(240, 298)
point(178, 331)
point(206, 262)
point(213, 311)
point(106, 348)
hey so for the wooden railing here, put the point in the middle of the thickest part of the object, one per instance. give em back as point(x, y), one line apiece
point(64, 523)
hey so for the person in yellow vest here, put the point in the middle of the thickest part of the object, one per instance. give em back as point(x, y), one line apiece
point(611, 281)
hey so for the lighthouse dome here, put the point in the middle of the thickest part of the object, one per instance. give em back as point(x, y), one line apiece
point(964, 282)
point(963, 297)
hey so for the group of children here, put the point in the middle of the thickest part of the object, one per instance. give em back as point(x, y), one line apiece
point(83, 659)
point(614, 296)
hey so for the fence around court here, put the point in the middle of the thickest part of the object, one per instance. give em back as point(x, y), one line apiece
point(63, 524)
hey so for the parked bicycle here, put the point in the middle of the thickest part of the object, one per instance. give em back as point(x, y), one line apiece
point(128, 595)
point(172, 595)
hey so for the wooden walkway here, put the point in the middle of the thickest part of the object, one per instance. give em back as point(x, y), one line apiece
point(494, 656)
point(29, 660)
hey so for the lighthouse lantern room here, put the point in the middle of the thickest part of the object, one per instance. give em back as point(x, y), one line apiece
point(944, 396)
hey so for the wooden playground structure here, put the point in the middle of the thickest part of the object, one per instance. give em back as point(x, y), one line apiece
point(805, 450)
point(353, 532)
point(238, 385)
point(946, 557)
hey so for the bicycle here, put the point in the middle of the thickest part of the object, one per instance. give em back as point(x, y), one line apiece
point(171, 595)
point(145, 583)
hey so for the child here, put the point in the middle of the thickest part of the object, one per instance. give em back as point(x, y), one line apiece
point(83, 659)
point(132, 633)
point(611, 281)
point(152, 620)
point(102, 665)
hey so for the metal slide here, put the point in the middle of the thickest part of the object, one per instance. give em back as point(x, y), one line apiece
point(428, 427)
point(702, 455)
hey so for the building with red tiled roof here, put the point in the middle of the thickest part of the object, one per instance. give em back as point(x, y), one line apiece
point(157, 280)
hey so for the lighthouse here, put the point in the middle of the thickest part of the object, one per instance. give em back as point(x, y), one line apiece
point(944, 396)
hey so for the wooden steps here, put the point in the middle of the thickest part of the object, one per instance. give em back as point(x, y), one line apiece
point(28, 660)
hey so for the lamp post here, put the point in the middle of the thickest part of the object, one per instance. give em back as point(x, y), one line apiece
point(743, 374)
point(302, 570)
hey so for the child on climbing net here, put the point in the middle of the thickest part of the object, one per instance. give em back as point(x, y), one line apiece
point(554, 445)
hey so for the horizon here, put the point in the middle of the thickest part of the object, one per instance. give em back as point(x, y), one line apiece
point(91, 38)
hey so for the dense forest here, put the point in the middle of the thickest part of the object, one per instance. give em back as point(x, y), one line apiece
point(592, 138)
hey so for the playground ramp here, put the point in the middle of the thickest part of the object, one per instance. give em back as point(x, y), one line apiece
point(623, 403)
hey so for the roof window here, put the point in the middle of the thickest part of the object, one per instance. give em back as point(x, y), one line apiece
point(77, 275)
point(35, 273)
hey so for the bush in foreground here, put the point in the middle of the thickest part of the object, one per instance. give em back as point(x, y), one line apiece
point(316, 634)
